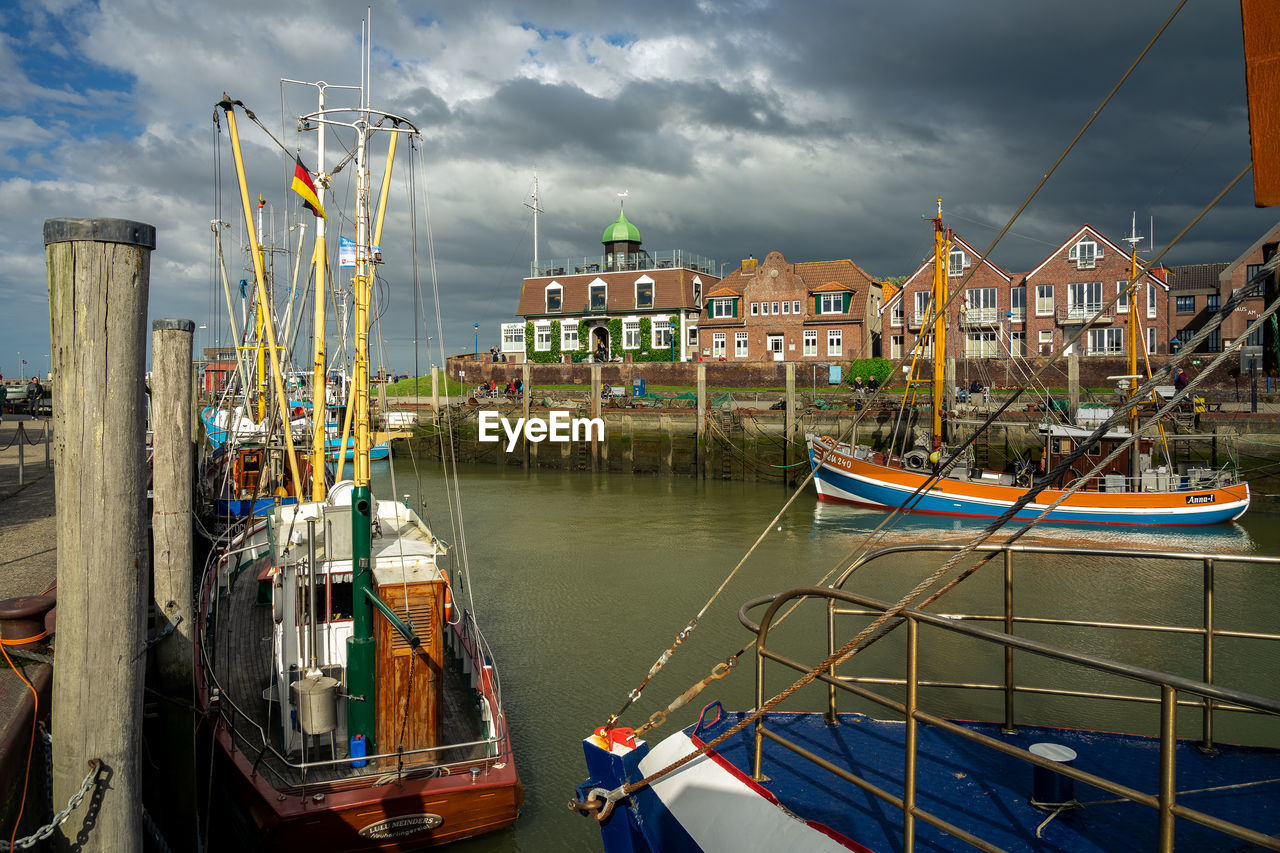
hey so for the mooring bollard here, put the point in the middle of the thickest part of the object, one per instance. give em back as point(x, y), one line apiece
point(20, 438)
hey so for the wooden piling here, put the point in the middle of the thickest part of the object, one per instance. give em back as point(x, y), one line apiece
point(1073, 383)
point(172, 464)
point(789, 424)
point(435, 396)
point(99, 274)
point(525, 393)
point(701, 437)
point(595, 413)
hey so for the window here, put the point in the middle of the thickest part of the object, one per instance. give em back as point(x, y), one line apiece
point(1046, 341)
point(693, 336)
point(739, 344)
point(513, 337)
point(1018, 304)
point(1085, 254)
point(1252, 270)
point(1213, 343)
point(1186, 304)
point(568, 336)
point(631, 334)
point(922, 307)
point(775, 309)
point(1122, 297)
point(831, 303)
point(755, 309)
point(895, 346)
point(1213, 303)
point(1018, 344)
point(795, 306)
point(1255, 337)
point(786, 307)
point(697, 291)
point(1151, 341)
point(980, 306)
point(644, 292)
point(661, 334)
point(1044, 300)
point(895, 314)
point(1084, 299)
point(957, 260)
point(723, 307)
point(980, 344)
point(764, 309)
point(1151, 300)
point(1106, 341)
point(542, 337)
point(835, 346)
point(717, 344)
point(554, 294)
point(810, 341)
point(600, 297)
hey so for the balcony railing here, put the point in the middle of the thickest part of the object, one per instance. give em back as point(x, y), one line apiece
point(591, 264)
point(1077, 314)
point(979, 317)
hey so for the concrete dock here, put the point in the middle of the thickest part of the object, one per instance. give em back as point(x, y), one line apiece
point(28, 566)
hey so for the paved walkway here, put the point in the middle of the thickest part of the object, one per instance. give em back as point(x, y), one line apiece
point(28, 566)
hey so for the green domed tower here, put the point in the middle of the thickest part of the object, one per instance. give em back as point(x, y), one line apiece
point(621, 241)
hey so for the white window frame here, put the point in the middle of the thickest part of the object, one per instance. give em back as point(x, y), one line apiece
point(1151, 300)
point(718, 344)
point(1044, 300)
point(1108, 340)
point(1018, 312)
point(980, 345)
point(981, 305)
point(810, 342)
point(1084, 299)
point(644, 279)
point(896, 344)
point(764, 309)
point(591, 293)
point(895, 313)
point(692, 333)
point(1122, 297)
point(722, 306)
point(740, 345)
point(513, 337)
point(774, 310)
point(569, 336)
point(786, 306)
point(922, 306)
point(755, 309)
point(835, 343)
point(1045, 338)
point(546, 302)
point(660, 334)
point(1085, 253)
point(795, 306)
point(1018, 344)
point(827, 306)
point(631, 333)
point(957, 260)
point(542, 336)
point(1151, 340)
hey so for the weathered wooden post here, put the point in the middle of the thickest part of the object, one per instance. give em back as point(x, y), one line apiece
point(172, 464)
point(99, 272)
point(701, 421)
point(595, 413)
point(1073, 383)
point(525, 393)
point(789, 424)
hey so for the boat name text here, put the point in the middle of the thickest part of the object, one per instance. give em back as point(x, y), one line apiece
point(400, 827)
point(1199, 499)
point(558, 427)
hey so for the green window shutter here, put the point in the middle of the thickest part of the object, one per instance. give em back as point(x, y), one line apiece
point(848, 298)
point(817, 303)
point(735, 306)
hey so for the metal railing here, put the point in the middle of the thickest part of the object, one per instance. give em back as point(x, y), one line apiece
point(1079, 314)
point(1210, 699)
point(590, 264)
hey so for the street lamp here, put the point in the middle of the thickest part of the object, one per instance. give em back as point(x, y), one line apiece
point(477, 327)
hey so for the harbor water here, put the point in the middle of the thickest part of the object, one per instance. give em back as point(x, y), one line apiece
point(581, 581)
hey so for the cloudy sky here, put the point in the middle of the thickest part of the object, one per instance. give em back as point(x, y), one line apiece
point(818, 129)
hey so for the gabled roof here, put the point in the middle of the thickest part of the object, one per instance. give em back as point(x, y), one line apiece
point(724, 290)
point(958, 242)
point(831, 287)
point(1196, 278)
point(1271, 235)
point(1098, 237)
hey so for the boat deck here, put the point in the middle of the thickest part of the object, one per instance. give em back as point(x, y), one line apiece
point(988, 793)
point(242, 664)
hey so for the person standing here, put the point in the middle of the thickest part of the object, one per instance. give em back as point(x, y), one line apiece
point(34, 393)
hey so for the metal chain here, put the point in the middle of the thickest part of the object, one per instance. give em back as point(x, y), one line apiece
point(61, 817)
point(154, 831)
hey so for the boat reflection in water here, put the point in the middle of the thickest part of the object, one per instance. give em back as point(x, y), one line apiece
point(835, 519)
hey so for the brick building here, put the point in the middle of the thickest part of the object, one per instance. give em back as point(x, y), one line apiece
point(773, 310)
point(1235, 276)
point(624, 301)
point(1036, 313)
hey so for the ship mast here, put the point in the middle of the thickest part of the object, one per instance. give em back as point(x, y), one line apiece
point(536, 210)
point(1132, 290)
point(941, 253)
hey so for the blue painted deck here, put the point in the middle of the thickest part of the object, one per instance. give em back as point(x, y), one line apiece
point(987, 793)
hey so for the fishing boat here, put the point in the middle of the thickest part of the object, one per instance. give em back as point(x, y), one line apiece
point(351, 696)
point(891, 727)
point(1137, 487)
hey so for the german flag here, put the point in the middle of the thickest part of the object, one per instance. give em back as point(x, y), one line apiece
point(303, 186)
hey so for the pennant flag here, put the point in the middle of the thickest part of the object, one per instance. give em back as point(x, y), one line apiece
point(302, 186)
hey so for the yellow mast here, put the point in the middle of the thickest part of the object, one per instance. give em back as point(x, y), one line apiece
point(941, 251)
point(319, 399)
point(260, 277)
